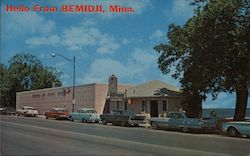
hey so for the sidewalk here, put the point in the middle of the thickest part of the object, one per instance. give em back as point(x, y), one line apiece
point(41, 116)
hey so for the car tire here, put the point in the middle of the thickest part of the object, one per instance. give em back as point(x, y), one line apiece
point(104, 122)
point(154, 125)
point(232, 132)
point(71, 119)
point(184, 129)
point(84, 120)
point(123, 123)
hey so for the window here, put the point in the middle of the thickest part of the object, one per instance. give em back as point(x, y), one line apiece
point(164, 105)
point(143, 106)
point(126, 105)
point(117, 105)
point(91, 111)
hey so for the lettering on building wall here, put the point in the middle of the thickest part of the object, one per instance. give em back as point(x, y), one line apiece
point(51, 94)
point(61, 93)
point(35, 95)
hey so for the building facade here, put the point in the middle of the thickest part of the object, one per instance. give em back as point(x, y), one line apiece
point(86, 96)
point(153, 97)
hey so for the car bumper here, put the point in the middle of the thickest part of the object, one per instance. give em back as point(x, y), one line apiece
point(94, 120)
point(31, 114)
point(62, 117)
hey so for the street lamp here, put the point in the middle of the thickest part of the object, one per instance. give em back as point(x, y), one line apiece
point(74, 67)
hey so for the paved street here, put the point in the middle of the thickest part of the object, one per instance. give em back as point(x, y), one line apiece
point(38, 136)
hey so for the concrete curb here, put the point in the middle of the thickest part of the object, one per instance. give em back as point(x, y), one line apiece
point(41, 116)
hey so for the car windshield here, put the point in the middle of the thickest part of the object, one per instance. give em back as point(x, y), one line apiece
point(61, 111)
point(29, 108)
point(10, 109)
point(91, 111)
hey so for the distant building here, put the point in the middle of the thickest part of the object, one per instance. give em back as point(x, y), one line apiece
point(88, 96)
point(153, 97)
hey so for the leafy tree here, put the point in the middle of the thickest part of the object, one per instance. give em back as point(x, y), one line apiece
point(211, 51)
point(3, 71)
point(24, 73)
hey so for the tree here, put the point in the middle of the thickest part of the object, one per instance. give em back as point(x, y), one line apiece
point(24, 73)
point(3, 71)
point(211, 51)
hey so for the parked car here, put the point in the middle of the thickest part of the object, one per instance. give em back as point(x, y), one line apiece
point(124, 118)
point(57, 113)
point(236, 128)
point(1, 110)
point(85, 115)
point(8, 111)
point(179, 121)
point(27, 111)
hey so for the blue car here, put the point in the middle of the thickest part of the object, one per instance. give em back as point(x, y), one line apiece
point(237, 128)
point(85, 115)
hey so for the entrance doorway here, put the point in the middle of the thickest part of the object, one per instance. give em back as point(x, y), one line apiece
point(154, 108)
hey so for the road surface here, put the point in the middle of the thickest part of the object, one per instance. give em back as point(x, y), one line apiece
point(38, 136)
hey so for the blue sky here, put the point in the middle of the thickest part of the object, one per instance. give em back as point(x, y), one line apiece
point(103, 44)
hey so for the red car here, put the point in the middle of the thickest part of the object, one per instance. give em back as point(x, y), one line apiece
point(57, 113)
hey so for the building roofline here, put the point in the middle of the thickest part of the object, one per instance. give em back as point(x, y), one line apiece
point(54, 88)
point(135, 97)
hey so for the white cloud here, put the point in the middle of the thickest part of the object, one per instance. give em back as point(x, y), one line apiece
point(157, 34)
point(139, 5)
point(75, 38)
point(180, 10)
point(100, 69)
point(140, 62)
point(53, 40)
point(125, 41)
point(64, 78)
point(107, 46)
point(16, 24)
point(89, 22)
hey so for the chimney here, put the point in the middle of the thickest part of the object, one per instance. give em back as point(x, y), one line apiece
point(112, 87)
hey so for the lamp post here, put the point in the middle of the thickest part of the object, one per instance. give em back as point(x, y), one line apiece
point(74, 68)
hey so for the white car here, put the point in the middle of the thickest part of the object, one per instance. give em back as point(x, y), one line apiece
point(85, 115)
point(27, 111)
point(237, 128)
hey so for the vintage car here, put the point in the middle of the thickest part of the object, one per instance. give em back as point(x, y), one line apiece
point(8, 111)
point(27, 111)
point(237, 128)
point(179, 121)
point(57, 113)
point(85, 115)
point(124, 118)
